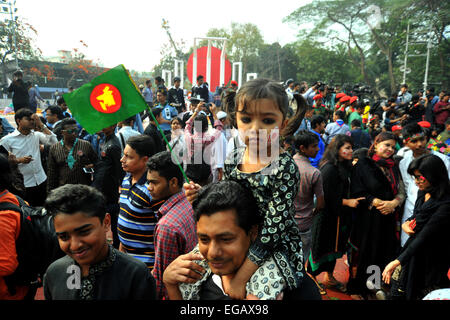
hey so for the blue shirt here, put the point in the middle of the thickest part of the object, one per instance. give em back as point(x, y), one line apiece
point(137, 220)
point(315, 161)
point(168, 113)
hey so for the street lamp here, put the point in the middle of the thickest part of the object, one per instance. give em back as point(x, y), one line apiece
point(12, 10)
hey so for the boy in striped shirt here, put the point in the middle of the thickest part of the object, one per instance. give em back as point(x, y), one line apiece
point(137, 216)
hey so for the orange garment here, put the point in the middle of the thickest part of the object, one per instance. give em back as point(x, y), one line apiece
point(9, 231)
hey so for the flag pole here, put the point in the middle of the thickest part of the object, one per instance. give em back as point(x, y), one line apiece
point(168, 144)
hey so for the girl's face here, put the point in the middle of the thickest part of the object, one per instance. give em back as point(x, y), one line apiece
point(346, 152)
point(175, 125)
point(421, 182)
point(260, 123)
point(385, 149)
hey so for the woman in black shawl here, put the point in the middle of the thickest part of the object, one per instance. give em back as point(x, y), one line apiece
point(20, 97)
point(424, 261)
point(374, 238)
point(331, 226)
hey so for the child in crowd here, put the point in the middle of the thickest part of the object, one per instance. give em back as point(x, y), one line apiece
point(270, 172)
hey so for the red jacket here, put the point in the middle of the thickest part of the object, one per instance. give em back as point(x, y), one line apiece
point(441, 115)
point(9, 231)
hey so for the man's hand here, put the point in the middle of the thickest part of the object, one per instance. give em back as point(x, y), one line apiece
point(191, 190)
point(183, 270)
point(352, 203)
point(386, 207)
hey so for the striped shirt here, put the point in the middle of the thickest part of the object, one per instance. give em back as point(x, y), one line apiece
point(137, 220)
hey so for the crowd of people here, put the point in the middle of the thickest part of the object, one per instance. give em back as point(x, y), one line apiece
point(249, 192)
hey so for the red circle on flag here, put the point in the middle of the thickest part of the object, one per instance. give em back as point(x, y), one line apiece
point(106, 98)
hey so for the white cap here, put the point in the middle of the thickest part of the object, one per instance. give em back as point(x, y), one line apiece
point(221, 115)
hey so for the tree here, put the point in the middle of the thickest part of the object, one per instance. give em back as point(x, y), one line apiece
point(81, 68)
point(24, 39)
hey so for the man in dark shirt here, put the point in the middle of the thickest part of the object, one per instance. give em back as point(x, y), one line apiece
point(201, 89)
point(20, 98)
point(175, 96)
point(108, 175)
point(152, 130)
point(361, 139)
point(91, 270)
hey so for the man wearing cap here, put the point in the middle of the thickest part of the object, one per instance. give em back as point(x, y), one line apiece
point(344, 103)
point(338, 99)
point(290, 86)
point(201, 89)
point(175, 96)
point(234, 85)
point(319, 107)
point(352, 105)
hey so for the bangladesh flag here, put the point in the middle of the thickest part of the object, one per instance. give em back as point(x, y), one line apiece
point(106, 100)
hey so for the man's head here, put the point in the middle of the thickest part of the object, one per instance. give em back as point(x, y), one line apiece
point(415, 139)
point(53, 114)
point(23, 119)
point(360, 108)
point(200, 80)
point(61, 103)
point(356, 123)
point(164, 176)
point(148, 83)
point(80, 221)
point(157, 113)
point(307, 143)
point(69, 129)
point(227, 223)
point(158, 80)
point(161, 96)
point(136, 154)
point(318, 123)
point(339, 115)
point(176, 82)
point(127, 122)
point(404, 88)
point(109, 130)
point(445, 96)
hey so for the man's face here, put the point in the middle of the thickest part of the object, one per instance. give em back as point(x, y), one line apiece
point(161, 98)
point(158, 186)
point(26, 123)
point(417, 145)
point(321, 127)
point(222, 242)
point(70, 132)
point(149, 85)
point(177, 84)
point(403, 89)
point(131, 161)
point(81, 237)
point(109, 130)
point(310, 151)
point(200, 81)
point(50, 117)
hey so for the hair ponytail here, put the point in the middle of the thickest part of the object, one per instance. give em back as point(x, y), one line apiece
point(296, 120)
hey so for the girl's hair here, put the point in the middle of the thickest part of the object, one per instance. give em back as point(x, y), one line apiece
point(383, 136)
point(180, 121)
point(268, 89)
point(434, 170)
point(331, 153)
point(229, 106)
point(204, 123)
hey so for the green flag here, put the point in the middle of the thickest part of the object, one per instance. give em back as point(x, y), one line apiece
point(106, 100)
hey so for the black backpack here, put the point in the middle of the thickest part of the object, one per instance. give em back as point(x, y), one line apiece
point(37, 245)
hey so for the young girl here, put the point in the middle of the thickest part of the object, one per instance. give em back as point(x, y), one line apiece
point(272, 175)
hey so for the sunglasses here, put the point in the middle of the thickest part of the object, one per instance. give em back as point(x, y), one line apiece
point(71, 131)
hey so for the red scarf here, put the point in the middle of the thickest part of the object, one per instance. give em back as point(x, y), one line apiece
point(389, 165)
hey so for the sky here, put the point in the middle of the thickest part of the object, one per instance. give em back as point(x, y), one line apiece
point(130, 33)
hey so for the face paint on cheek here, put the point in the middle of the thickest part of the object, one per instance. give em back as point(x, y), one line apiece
point(274, 135)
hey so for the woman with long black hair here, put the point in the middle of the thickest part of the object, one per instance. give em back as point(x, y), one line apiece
point(374, 238)
point(331, 226)
point(424, 261)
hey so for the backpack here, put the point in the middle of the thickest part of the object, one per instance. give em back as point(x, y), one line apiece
point(37, 245)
